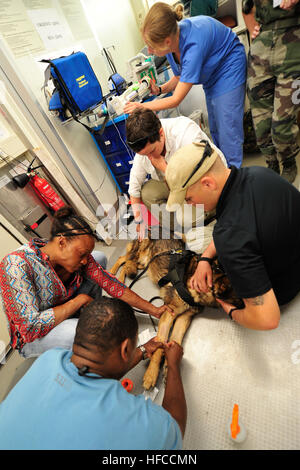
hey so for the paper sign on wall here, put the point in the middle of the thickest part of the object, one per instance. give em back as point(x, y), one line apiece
point(53, 32)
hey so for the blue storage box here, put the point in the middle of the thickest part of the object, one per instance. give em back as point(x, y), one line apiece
point(123, 181)
point(110, 141)
point(119, 163)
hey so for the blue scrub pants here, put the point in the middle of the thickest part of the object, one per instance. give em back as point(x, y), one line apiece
point(225, 117)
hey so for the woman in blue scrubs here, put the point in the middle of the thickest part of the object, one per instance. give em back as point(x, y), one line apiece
point(200, 50)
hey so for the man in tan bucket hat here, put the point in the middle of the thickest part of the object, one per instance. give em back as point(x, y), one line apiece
point(188, 165)
point(257, 215)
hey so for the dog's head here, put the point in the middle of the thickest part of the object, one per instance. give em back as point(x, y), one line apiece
point(222, 288)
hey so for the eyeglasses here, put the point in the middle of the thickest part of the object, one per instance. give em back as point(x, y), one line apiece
point(207, 153)
point(139, 144)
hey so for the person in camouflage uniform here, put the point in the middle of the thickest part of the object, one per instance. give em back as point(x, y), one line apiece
point(273, 68)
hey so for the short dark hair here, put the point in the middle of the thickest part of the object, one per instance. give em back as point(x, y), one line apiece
point(106, 323)
point(142, 124)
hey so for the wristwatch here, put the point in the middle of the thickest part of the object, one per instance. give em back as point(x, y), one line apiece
point(158, 94)
point(144, 352)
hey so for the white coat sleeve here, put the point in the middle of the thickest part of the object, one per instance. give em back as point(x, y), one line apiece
point(137, 177)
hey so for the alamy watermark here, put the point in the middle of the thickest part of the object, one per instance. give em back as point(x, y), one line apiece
point(163, 223)
point(296, 94)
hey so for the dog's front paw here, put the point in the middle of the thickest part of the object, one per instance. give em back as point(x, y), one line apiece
point(151, 374)
point(150, 378)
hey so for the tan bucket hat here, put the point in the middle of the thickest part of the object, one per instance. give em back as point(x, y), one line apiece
point(186, 166)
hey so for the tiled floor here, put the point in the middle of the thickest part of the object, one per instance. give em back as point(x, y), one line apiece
point(224, 364)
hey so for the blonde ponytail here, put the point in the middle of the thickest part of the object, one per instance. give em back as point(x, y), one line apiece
point(161, 22)
point(179, 11)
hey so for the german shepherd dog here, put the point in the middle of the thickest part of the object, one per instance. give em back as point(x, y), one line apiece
point(157, 253)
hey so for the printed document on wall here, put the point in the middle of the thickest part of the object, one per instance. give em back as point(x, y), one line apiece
point(17, 29)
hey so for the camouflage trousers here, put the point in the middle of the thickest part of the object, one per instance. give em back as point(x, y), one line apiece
point(273, 68)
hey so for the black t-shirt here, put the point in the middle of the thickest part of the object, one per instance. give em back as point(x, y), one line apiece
point(257, 234)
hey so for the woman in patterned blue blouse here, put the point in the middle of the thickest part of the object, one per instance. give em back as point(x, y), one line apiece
point(45, 283)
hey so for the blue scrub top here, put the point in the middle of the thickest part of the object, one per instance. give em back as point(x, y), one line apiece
point(52, 407)
point(210, 54)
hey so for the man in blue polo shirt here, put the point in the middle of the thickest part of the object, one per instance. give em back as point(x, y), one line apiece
point(75, 400)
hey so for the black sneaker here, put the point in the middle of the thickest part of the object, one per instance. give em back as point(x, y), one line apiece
point(274, 165)
point(289, 171)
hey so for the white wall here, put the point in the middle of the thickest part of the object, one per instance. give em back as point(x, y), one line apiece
point(115, 25)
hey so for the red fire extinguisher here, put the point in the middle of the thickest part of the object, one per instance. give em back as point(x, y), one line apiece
point(46, 193)
point(40, 186)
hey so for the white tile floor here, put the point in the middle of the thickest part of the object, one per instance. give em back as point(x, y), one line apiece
point(224, 364)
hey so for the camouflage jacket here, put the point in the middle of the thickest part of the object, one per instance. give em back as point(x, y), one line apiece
point(276, 18)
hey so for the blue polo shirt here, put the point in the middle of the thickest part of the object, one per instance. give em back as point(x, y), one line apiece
point(52, 407)
point(210, 54)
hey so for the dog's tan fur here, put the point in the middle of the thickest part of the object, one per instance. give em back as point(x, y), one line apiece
point(138, 255)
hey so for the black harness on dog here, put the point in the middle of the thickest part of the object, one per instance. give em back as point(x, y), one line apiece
point(179, 262)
